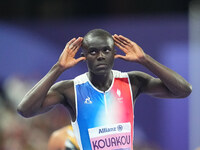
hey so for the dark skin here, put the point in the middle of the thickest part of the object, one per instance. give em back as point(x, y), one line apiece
point(99, 54)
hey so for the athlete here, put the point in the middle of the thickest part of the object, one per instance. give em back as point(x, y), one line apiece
point(63, 139)
point(101, 101)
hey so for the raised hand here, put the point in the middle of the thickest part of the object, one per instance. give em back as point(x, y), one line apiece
point(132, 51)
point(67, 59)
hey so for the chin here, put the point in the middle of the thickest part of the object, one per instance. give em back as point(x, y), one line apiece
point(102, 72)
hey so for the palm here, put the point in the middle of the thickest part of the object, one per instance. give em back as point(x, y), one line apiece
point(67, 58)
point(132, 51)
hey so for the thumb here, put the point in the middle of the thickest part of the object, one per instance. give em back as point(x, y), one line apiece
point(80, 59)
point(120, 56)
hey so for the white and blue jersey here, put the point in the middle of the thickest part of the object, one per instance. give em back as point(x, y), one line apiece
point(104, 119)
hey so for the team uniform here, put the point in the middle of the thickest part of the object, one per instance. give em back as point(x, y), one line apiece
point(104, 120)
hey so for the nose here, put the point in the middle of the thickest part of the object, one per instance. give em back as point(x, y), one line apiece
point(101, 55)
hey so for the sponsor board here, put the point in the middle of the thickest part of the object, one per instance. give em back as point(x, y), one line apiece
point(111, 137)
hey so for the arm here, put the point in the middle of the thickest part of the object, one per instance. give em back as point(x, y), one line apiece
point(43, 96)
point(169, 84)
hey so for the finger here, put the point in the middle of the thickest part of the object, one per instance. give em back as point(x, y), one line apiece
point(77, 41)
point(70, 42)
point(125, 42)
point(75, 50)
point(71, 48)
point(121, 47)
point(122, 38)
point(122, 43)
point(67, 46)
point(120, 56)
point(80, 59)
point(125, 39)
point(119, 42)
point(115, 39)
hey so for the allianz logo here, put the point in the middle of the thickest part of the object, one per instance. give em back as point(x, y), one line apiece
point(104, 130)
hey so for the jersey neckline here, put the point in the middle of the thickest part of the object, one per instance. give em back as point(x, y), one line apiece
point(97, 88)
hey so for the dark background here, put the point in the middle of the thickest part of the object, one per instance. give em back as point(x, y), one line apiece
point(51, 9)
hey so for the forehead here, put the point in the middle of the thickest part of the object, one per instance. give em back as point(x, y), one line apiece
point(99, 42)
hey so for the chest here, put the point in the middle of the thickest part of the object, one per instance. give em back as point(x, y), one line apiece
point(99, 108)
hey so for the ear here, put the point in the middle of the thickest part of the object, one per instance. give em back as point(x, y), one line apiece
point(82, 54)
point(115, 51)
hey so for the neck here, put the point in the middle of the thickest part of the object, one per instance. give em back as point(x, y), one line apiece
point(101, 82)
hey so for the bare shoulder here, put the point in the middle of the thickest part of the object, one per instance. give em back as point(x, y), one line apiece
point(66, 89)
point(139, 77)
point(63, 84)
point(138, 74)
point(138, 81)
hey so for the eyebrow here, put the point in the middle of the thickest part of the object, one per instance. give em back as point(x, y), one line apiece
point(95, 48)
point(92, 48)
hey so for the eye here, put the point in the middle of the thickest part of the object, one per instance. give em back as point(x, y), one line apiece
point(106, 50)
point(93, 52)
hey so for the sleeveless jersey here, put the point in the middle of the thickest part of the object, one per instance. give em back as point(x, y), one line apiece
point(104, 120)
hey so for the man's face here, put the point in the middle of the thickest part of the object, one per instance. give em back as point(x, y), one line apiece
point(99, 53)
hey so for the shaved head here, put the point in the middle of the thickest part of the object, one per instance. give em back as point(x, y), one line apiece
point(98, 34)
